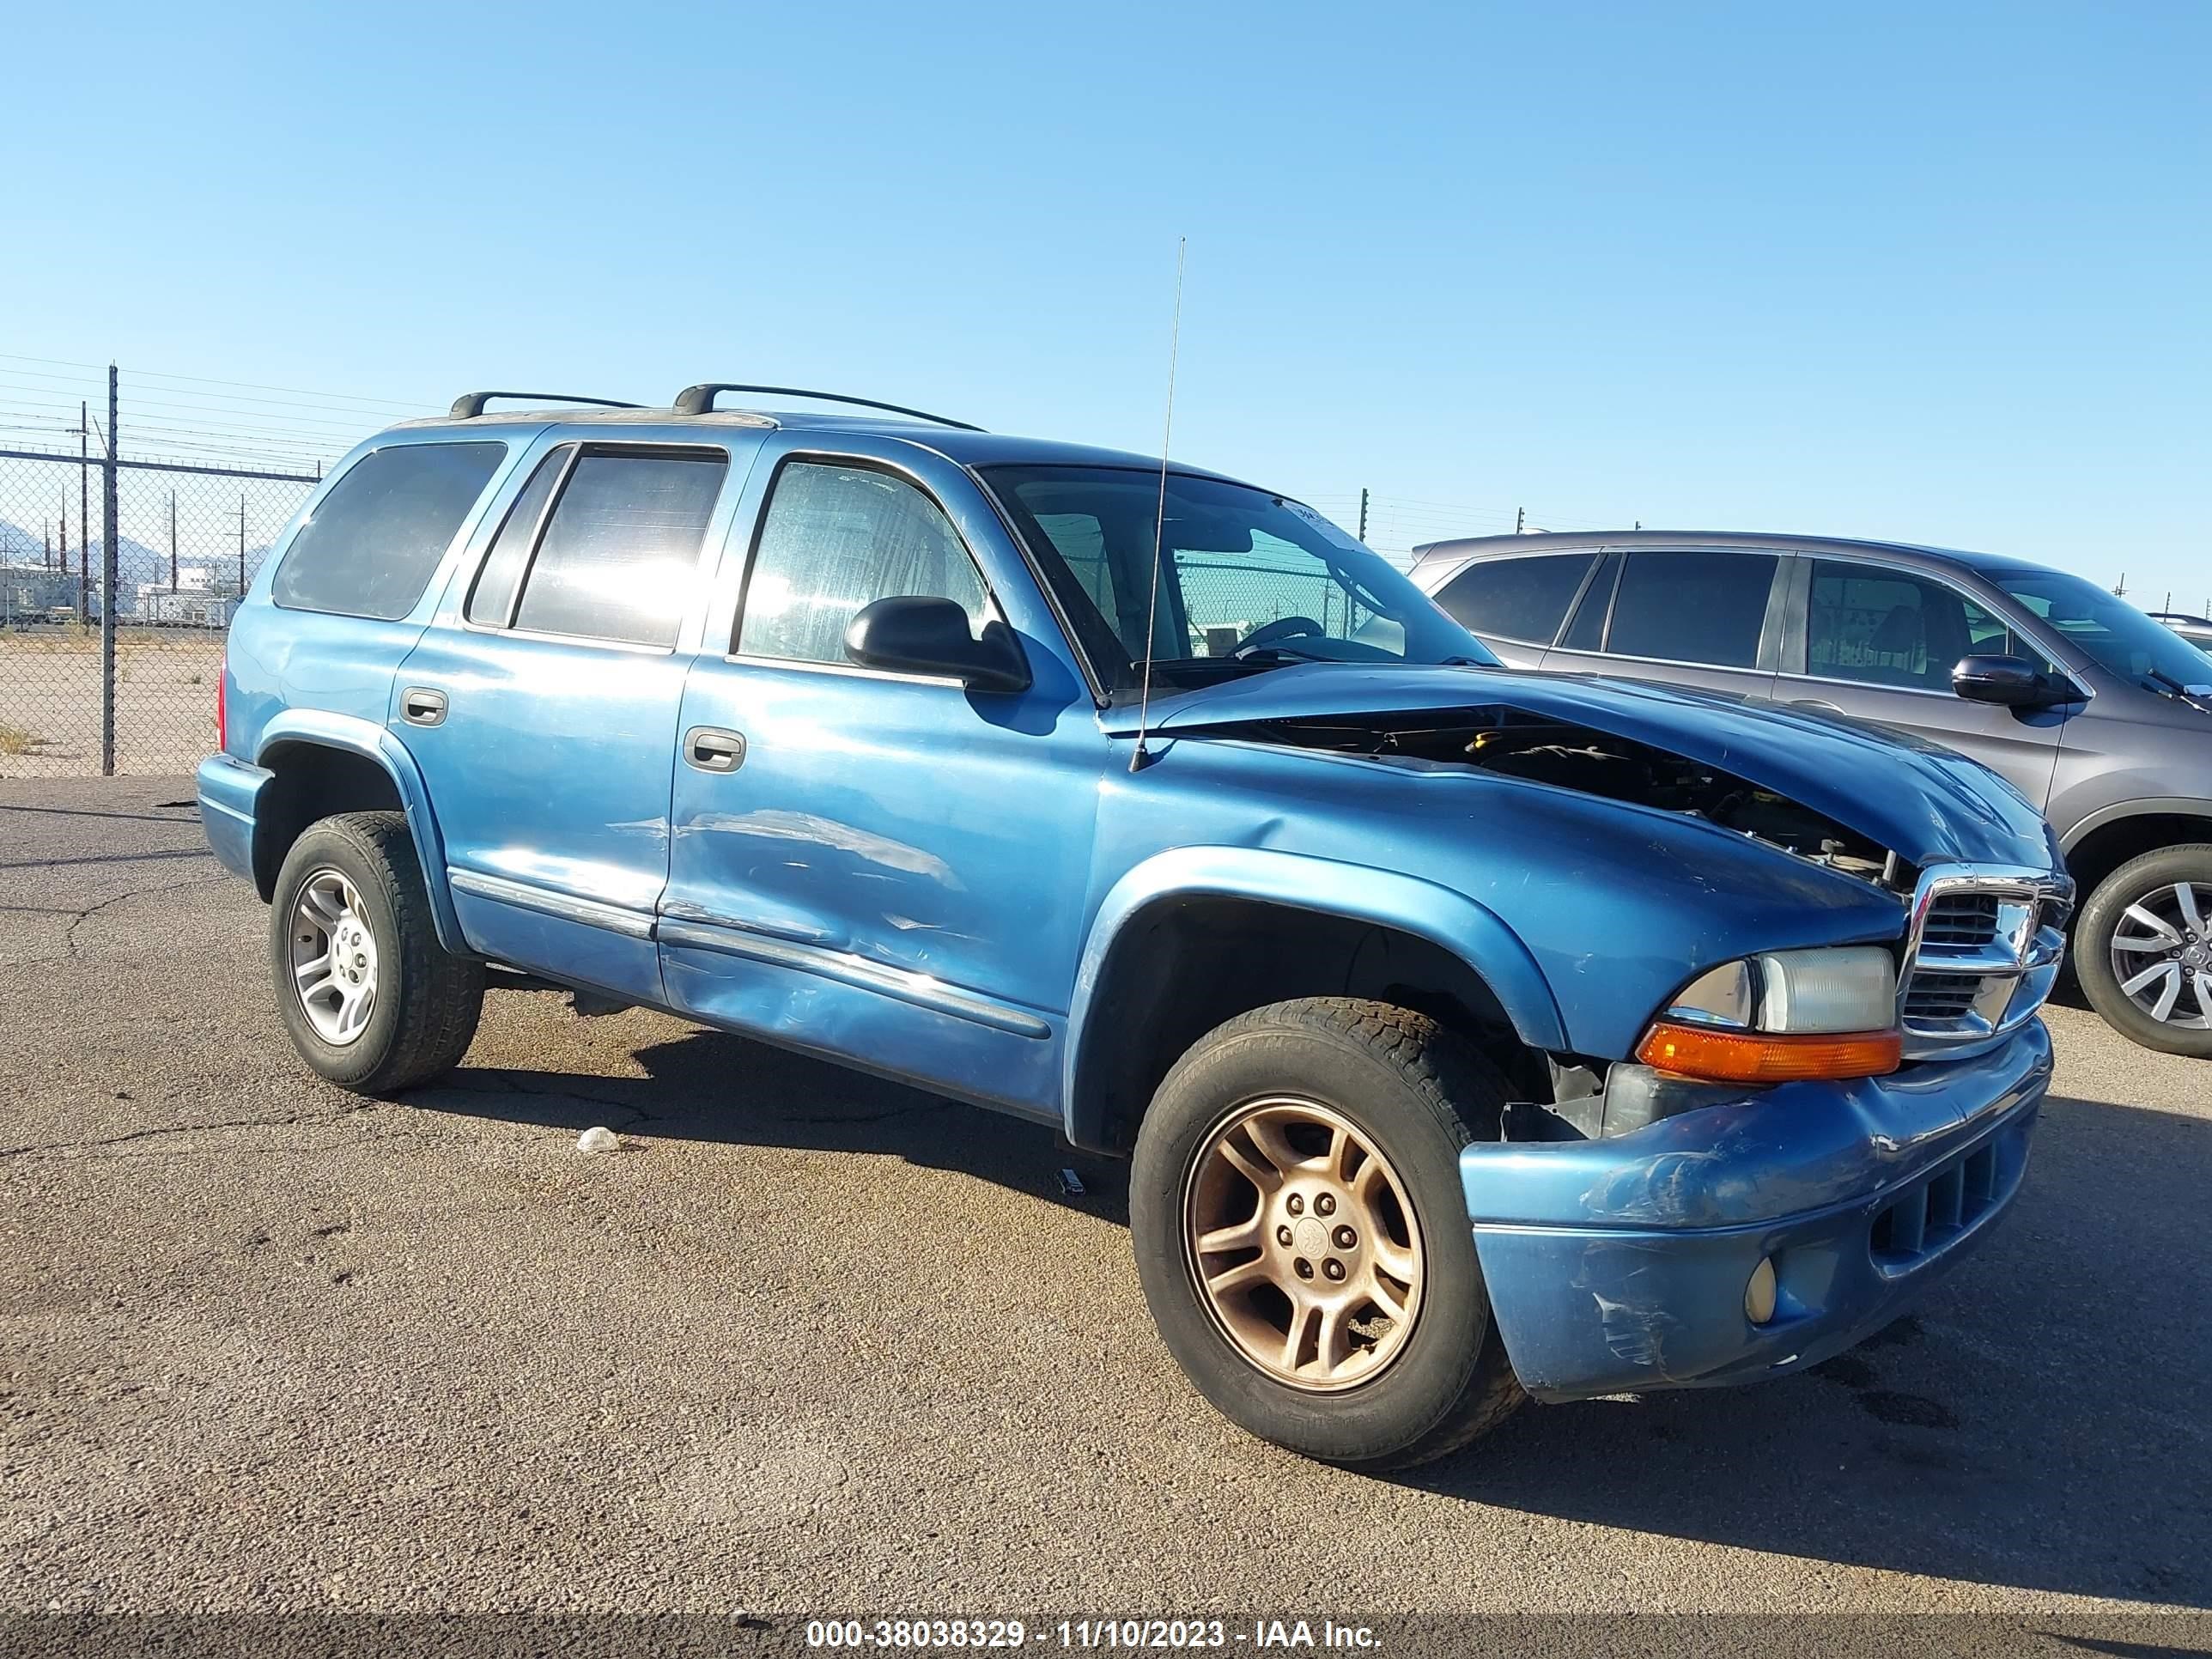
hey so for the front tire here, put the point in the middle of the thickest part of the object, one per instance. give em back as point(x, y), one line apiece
point(2143, 950)
point(372, 1002)
point(1302, 1235)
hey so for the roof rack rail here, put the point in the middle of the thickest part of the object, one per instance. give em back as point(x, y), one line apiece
point(700, 400)
point(470, 404)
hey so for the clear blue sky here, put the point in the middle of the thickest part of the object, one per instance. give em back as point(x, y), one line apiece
point(1931, 271)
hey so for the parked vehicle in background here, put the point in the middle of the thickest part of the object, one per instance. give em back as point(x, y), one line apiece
point(1472, 1032)
point(2196, 629)
point(2098, 715)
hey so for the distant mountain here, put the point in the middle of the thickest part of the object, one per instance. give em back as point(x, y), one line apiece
point(136, 563)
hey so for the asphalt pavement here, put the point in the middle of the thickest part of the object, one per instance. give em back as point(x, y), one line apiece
point(812, 1343)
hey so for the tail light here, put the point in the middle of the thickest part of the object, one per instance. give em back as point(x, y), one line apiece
point(221, 719)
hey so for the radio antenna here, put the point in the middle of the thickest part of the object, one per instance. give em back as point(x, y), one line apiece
point(1137, 756)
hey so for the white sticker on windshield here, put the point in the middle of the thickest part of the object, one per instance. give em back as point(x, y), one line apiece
point(1341, 537)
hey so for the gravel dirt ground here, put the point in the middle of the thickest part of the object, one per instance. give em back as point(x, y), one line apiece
point(814, 1343)
point(165, 680)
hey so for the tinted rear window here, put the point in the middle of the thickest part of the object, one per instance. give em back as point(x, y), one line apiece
point(1522, 599)
point(373, 541)
point(1693, 607)
point(620, 551)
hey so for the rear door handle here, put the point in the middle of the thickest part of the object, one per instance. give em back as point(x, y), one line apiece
point(1816, 702)
point(421, 705)
point(710, 748)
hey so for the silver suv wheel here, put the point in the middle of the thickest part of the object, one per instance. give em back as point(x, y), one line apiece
point(333, 957)
point(2162, 955)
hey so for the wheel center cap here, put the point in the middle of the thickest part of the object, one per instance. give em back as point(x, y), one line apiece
point(1310, 1238)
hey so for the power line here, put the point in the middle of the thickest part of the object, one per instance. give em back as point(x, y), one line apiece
point(203, 379)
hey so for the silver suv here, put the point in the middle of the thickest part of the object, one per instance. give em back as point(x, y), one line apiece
point(2100, 716)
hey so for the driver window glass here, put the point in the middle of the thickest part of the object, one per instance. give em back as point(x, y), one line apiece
point(1890, 628)
point(835, 538)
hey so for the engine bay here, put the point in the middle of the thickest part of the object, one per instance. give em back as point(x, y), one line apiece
point(1570, 757)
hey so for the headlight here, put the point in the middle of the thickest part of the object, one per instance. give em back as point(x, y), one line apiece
point(1782, 1015)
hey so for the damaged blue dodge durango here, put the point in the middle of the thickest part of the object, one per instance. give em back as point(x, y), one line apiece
point(1474, 1035)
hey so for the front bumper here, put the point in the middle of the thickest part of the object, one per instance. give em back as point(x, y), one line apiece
point(1619, 1264)
point(230, 801)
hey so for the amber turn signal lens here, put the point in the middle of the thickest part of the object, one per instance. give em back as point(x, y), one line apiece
point(1695, 1051)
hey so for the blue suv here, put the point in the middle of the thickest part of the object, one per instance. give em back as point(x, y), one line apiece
point(1474, 1034)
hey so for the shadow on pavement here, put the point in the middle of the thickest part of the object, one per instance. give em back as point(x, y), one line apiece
point(2037, 1423)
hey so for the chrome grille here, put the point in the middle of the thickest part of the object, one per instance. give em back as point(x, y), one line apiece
point(1934, 996)
point(1964, 920)
point(1984, 948)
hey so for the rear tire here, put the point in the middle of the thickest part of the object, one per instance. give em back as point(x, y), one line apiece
point(1322, 1084)
point(2137, 929)
point(372, 1002)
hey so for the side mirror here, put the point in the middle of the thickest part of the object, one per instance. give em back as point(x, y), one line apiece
point(914, 634)
point(2012, 682)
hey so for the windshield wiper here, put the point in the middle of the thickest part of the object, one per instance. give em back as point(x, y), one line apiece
point(2195, 695)
point(1200, 667)
point(1273, 656)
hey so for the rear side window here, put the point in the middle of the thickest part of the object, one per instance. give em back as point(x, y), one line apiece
point(1523, 599)
point(1693, 607)
point(620, 550)
point(373, 541)
point(491, 601)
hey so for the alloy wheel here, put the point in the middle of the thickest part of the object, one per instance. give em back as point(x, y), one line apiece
point(333, 957)
point(1303, 1244)
point(2162, 955)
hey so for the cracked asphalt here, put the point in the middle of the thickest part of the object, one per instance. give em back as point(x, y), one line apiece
point(815, 1343)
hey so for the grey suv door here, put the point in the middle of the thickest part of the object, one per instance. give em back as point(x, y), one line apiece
point(1879, 641)
point(1699, 617)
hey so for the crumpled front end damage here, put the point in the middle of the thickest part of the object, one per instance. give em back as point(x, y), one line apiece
point(1623, 1263)
point(1622, 1223)
point(1567, 755)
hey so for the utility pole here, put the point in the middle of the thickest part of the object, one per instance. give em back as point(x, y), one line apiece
point(173, 541)
point(110, 567)
point(1363, 512)
point(241, 547)
point(84, 512)
point(2120, 587)
point(1520, 521)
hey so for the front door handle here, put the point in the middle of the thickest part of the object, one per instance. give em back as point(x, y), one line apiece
point(421, 705)
point(710, 748)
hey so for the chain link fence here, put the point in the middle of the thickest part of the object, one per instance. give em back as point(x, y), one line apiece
point(115, 671)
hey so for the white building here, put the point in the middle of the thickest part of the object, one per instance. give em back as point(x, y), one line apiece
point(195, 602)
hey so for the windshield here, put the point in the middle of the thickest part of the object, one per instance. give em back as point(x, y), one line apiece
point(1247, 581)
point(2107, 628)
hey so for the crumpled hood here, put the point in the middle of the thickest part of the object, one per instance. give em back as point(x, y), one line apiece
point(1925, 803)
